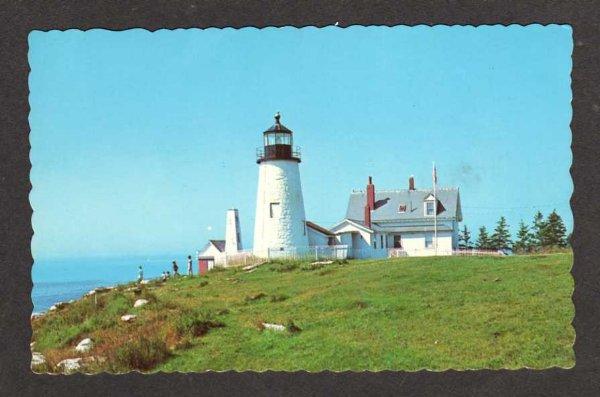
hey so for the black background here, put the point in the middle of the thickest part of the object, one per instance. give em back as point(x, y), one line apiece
point(18, 18)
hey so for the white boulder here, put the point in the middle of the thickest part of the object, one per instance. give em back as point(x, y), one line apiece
point(37, 359)
point(274, 327)
point(128, 317)
point(140, 303)
point(144, 281)
point(70, 365)
point(85, 345)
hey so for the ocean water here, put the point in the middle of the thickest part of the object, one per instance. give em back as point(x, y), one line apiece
point(62, 280)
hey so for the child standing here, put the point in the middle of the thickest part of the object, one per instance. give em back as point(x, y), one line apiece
point(189, 263)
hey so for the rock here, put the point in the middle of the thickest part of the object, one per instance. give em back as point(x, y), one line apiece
point(37, 359)
point(31, 345)
point(36, 315)
point(128, 317)
point(274, 327)
point(69, 365)
point(90, 293)
point(140, 303)
point(84, 346)
point(144, 281)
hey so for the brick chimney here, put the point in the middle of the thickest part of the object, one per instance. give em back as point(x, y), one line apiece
point(370, 204)
point(411, 183)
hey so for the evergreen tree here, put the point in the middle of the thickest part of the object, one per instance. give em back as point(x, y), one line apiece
point(501, 237)
point(537, 230)
point(483, 240)
point(570, 240)
point(554, 234)
point(464, 239)
point(524, 238)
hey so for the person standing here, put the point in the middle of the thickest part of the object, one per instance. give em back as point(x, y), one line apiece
point(140, 274)
point(175, 269)
point(189, 263)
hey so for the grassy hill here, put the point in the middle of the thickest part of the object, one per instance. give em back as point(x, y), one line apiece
point(396, 314)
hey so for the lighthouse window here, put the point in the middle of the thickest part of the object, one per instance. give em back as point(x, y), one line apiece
point(274, 210)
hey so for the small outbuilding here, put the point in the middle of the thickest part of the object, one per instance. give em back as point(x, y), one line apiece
point(211, 253)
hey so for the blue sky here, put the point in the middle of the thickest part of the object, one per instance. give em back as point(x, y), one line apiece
point(140, 141)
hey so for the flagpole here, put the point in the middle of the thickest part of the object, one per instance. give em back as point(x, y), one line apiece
point(434, 177)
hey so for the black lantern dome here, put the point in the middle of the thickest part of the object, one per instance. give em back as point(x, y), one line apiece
point(278, 141)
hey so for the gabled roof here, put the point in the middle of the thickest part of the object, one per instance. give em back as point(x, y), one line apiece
point(387, 203)
point(219, 244)
point(357, 224)
point(319, 229)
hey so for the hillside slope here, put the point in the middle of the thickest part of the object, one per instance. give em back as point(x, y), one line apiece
point(397, 314)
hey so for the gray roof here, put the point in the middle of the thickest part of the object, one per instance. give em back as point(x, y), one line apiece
point(387, 203)
point(219, 244)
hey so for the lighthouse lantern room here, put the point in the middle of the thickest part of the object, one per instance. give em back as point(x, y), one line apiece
point(280, 222)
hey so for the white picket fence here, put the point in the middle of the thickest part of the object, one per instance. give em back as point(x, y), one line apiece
point(314, 252)
point(240, 258)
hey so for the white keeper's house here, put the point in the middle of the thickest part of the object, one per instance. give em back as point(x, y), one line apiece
point(400, 222)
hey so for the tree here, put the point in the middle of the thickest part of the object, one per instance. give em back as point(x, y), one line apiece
point(554, 233)
point(483, 240)
point(524, 238)
point(501, 237)
point(537, 230)
point(464, 239)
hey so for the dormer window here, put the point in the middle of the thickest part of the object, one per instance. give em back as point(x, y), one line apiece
point(402, 208)
point(430, 208)
point(430, 204)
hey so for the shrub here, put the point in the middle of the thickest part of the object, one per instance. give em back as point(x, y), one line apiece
point(293, 328)
point(254, 297)
point(359, 304)
point(142, 354)
point(278, 298)
point(196, 324)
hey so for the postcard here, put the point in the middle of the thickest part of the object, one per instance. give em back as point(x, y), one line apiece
point(359, 198)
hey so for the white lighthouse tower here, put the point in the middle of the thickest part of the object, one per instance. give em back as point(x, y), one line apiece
point(280, 220)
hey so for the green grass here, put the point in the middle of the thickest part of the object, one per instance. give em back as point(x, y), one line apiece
point(393, 314)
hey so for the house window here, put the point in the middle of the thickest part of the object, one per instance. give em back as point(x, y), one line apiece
point(428, 240)
point(402, 208)
point(331, 241)
point(381, 240)
point(429, 208)
point(274, 210)
point(375, 242)
point(397, 241)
